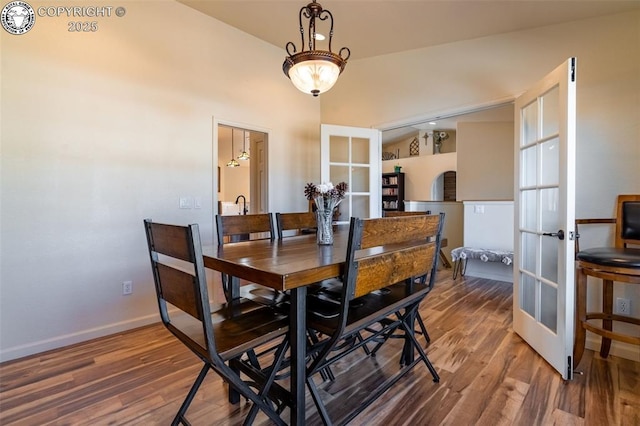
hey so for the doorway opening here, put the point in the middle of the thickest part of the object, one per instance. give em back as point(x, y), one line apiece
point(240, 175)
point(443, 187)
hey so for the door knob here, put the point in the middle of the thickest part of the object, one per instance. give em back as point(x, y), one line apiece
point(559, 234)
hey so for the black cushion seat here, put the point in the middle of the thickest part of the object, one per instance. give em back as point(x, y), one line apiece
point(611, 256)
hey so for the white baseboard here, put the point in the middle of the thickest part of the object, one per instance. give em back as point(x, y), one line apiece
point(73, 338)
point(619, 349)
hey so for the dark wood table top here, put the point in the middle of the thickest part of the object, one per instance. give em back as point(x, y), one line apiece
point(282, 264)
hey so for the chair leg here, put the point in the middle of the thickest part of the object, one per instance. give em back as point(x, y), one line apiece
point(322, 410)
point(408, 330)
point(607, 308)
point(273, 370)
point(179, 418)
point(325, 373)
point(234, 395)
point(423, 328)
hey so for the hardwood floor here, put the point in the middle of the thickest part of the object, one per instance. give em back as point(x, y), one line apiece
point(489, 376)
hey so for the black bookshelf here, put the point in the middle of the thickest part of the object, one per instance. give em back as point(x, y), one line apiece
point(393, 191)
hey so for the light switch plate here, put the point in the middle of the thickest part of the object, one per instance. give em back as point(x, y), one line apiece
point(185, 202)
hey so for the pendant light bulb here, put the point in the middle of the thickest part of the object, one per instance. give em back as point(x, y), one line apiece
point(245, 154)
point(232, 162)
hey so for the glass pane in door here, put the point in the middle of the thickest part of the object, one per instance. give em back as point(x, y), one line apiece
point(529, 169)
point(338, 174)
point(359, 179)
point(339, 149)
point(550, 104)
point(550, 162)
point(529, 217)
point(360, 206)
point(549, 306)
point(360, 150)
point(528, 294)
point(528, 251)
point(530, 123)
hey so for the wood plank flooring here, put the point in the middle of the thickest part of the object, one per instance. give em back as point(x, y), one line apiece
point(489, 376)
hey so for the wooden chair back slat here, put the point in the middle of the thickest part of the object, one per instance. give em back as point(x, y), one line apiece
point(295, 221)
point(384, 270)
point(180, 289)
point(399, 229)
point(628, 221)
point(244, 224)
point(171, 240)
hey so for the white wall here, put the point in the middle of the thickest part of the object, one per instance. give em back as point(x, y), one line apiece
point(101, 130)
point(485, 150)
point(489, 225)
point(494, 68)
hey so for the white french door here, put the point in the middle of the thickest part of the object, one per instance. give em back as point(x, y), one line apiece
point(353, 155)
point(544, 291)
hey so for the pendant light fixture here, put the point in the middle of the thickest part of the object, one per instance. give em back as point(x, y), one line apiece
point(233, 162)
point(314, 71)
point(245, 154)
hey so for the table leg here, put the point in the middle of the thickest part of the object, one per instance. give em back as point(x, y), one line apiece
point(581, 315)
point(297, 332)
point(234, 288)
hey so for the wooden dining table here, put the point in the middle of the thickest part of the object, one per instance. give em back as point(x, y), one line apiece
point(288, 264)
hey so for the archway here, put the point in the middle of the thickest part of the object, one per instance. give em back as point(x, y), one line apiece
point(443, 187)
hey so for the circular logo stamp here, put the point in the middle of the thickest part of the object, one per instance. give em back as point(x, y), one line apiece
point(17, 17)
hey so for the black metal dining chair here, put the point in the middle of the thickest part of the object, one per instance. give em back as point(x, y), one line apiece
point(224, 340)
point(382, 253)
point(298, 223)
point(237, 228)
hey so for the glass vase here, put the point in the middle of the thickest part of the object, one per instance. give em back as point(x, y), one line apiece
point(324, 220)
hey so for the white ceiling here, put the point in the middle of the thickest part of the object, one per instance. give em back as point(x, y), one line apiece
point(377, 27)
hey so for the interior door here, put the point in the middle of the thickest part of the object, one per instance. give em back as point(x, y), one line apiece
point(543, 291)
point(258, 179)
point(353, 155)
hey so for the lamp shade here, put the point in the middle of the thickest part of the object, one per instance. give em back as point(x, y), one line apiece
point(314, 76)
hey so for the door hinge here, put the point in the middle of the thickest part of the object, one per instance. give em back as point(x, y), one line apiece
point(570, 368)
point(573, 69)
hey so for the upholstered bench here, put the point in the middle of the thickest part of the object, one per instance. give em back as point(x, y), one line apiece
point(460, 256)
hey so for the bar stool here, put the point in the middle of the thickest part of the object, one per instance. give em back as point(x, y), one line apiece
point(620, 263)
